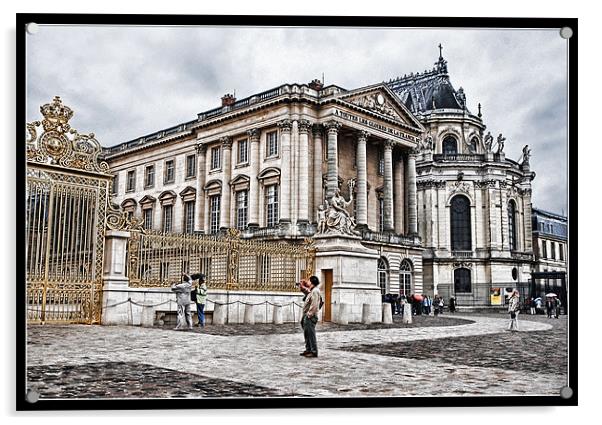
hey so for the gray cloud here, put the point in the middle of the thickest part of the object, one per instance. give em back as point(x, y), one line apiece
point(125, 82)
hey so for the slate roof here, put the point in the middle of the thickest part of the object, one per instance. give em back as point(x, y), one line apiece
point(423, 92)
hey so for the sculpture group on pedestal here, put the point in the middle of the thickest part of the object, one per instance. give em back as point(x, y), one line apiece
point(333, 217)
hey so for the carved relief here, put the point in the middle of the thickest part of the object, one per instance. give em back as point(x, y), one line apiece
point(376, 102)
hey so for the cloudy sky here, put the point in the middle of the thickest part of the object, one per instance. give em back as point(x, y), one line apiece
point(126, 82)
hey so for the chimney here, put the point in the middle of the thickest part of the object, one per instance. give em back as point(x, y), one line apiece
point(228, 100)
point(316, 85)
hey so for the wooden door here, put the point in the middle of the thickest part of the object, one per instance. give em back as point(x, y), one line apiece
point(327, 279)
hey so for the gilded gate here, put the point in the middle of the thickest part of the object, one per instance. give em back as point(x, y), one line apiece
point(67, 212)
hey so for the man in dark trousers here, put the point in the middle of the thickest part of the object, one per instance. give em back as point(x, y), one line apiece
point(310, 316)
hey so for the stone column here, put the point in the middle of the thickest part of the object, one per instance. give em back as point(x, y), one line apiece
point(398, 195)
point(412, 207)
point(303, 166)
point(116, 309)
point(362, 181)
point(332, 176)
point(528, 226)
point(227, 173)
point(317, 192)
point(285, 171)
point(388, 187)
point(199, 216)
point(254, 201)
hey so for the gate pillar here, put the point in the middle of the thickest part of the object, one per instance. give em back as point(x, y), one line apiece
point(115, 306)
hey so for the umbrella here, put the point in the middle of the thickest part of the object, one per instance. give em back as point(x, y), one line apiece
point(537, 299)
point(418, 297)
point(551, 294)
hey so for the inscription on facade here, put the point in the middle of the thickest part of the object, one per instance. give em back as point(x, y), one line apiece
point(375, 125)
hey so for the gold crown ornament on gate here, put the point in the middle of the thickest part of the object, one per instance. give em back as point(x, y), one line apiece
point(61, 145)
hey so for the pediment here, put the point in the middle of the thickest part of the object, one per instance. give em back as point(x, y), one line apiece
point(379, 99)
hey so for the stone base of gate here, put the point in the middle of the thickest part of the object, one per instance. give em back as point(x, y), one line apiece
point(134, 306)
point(354, 275)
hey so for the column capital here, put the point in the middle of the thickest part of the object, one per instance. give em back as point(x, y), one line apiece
point(389, 144)
point(332, 126)
point(254, 134)
point(304, 126)
point(285, 126)
point(317, 130)
point(201, 149)
point(226, 142)
point(414, 152)
point(362, 136)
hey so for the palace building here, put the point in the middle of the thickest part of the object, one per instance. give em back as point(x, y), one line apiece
point(423, 187)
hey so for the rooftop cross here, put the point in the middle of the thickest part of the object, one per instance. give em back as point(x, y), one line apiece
point(440, 51)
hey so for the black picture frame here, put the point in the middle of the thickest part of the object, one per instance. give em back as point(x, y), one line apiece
point(317, 21)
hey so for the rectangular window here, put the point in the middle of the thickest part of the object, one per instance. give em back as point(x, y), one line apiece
point(381, 215)
point(553, 250)
point(544, 249)
point(216, 158)
point(561, 252)
point(189, 217)
point(190, 166)
point(271, 205)
point(169, 174)
point(131, 181)
point(242, 209)
point(115, 188)
point(243, 151)
point(149, 176)
point(214, 212)
point(167, 218)
point(271, 144)
point(147, 215)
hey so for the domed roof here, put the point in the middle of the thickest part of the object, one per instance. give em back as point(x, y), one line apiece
point(422, 92)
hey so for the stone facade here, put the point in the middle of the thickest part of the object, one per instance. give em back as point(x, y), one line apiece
point(550, 243)
point(474, 205)
point(265, 165)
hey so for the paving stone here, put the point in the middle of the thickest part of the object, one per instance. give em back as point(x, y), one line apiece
point(353, 362)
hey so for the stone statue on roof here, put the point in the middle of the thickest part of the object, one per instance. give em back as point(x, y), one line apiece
point(488, 142)
point(526, 155)
point(500, 143)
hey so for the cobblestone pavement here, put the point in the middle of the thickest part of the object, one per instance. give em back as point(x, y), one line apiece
point(288, 328)
point(392, 361)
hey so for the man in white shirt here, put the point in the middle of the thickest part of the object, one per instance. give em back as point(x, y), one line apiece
point(310, 316)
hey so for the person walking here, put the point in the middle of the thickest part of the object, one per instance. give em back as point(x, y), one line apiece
point(549, 306)
point(532, 305)
point(557, 305)
point(201, 299)
point(452, 305)
point(311, 307)
point(513, 310)
point(441, 303)
point(182, 291)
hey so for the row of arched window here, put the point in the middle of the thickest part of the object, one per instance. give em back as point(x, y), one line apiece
point(405, 276)
point(460, 223)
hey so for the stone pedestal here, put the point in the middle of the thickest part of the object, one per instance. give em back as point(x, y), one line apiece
point(341, 315)
point(219, 314)
point(387, 314)
point(366, 314)
point(354, 269)
point(116, 309)
point(277, 315)
point(249, 314)
point(407, 313)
